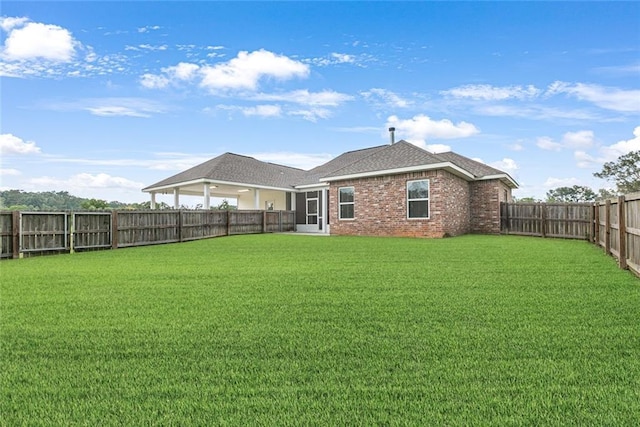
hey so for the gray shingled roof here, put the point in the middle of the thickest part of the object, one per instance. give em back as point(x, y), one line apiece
point(477, 169)
point(343, 160)
point(231, 167)
point(399, 155)
point(234, 168)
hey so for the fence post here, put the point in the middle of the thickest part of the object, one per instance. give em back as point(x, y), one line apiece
point(15, 230)
point(622, 229)
point(280, 221)
point(543, 214)
point(114, 229)
point(607, 227)
point(228, 222)
point(264, 221)
point(180, 225)
point(595, 224)
point(72, 231)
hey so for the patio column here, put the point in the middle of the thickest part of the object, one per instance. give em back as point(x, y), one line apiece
point(176, 198)
point(322, 211)
point(153, 200)
point(256, 199)
point(207, 195)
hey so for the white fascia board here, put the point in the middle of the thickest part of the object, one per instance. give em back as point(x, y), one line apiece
point(502, 177)
point(456, 170)
point(320, 186)
point(172, 186)
point(214, 182)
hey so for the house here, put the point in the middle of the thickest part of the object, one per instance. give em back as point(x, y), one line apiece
point(388, 190)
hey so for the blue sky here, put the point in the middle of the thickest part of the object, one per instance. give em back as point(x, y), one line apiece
point(104, 98)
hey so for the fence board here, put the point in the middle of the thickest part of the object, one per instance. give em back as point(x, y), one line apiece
point(565, 220)
point(91, 230)
point(202, 224)
point(632, 208)
point(43, 231)
point(6, 234)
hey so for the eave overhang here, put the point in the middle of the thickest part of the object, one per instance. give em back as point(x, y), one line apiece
point(448, 166)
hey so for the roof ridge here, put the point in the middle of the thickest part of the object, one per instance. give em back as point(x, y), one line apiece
point(382, 148)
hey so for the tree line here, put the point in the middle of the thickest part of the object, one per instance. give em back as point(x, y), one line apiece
point(623, 172)
point(19, 200)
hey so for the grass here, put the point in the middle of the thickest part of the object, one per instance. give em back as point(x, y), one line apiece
point(296, 330)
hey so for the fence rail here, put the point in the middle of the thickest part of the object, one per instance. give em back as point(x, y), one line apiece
point(45, 232)
point(612, 224)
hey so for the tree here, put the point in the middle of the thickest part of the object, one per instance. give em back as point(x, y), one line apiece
point(526, 200)
point(605, 193)
point(577, 193)
point(94, 204)
point(225, 206)
point(625, 172)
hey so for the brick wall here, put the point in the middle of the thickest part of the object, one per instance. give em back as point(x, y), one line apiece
point(381, 206)
point(485, 205)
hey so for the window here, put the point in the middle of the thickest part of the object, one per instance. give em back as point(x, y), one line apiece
point(418, 199)
point(346, 202)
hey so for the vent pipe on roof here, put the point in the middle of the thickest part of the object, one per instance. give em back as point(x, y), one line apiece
point(392, 133)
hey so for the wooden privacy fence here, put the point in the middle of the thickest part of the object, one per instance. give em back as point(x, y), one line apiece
point(566, 220)
point(612, 224)
point(40, 232)
point(617, 229)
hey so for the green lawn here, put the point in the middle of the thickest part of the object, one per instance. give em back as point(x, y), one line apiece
point(300, 330)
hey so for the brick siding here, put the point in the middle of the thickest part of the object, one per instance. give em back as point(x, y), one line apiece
point(485, 205)
point(381, 206)
point(456, 206)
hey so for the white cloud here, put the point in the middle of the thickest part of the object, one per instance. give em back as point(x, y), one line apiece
point(336, 58)
point(148, 47)
point(585, 160)
point(492, 93)
point(385, 98)
point(296, 160)
point(609, 98)
point(325, 98)
point(263, 111)
point(516, 146)
point(535, 112)
point(11, 144)
point(35, 40)
point(182, 71)
point(245, 71)
point(623, 147)
point(148, 28)
point(507, 165)
point(421, 127)
point(114, 106)
point(343, 58)
point(312, 114)
point(580, 139)
point(153, 81)
point(9, 172)
point(80, 183)
point(553, 182)
point(547, 143)
point(437, 148)
point(116, 111)
point(608, 153)
point(9, 23)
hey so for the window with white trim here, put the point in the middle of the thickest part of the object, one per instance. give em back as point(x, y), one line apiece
point(346, 202)
point(418, 199)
